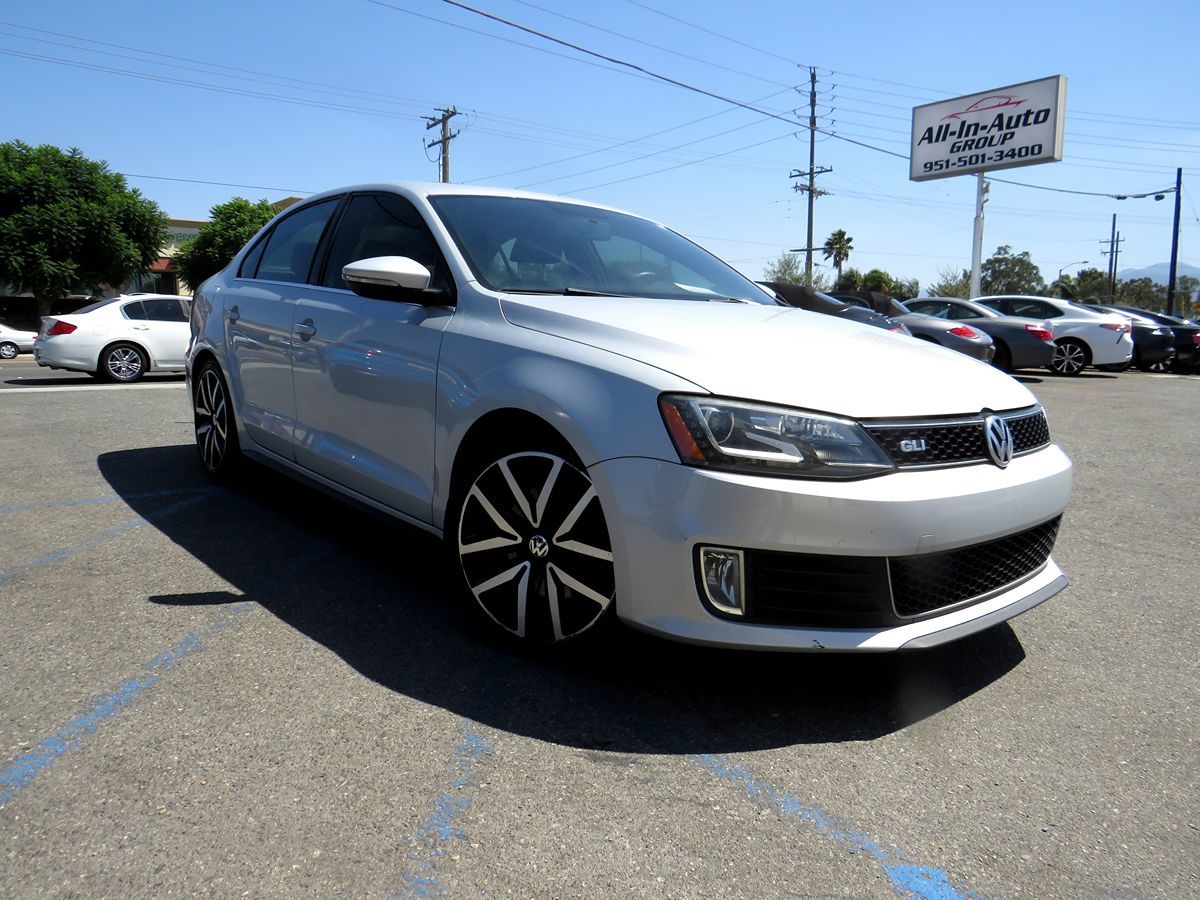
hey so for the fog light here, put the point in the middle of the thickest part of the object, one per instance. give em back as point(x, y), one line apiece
point(723, 574)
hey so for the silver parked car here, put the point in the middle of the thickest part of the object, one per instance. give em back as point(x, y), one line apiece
point(14, 341)
point(601, 418)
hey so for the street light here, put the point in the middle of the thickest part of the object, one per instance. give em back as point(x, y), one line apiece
point(1082, 262)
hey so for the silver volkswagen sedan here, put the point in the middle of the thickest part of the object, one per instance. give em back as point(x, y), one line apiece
point(603, 420)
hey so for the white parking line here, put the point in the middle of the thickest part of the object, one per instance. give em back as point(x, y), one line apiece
point(93, 387)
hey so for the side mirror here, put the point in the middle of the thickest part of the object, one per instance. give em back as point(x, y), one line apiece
point(391, 278)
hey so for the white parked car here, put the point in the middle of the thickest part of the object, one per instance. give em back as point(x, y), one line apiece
point(14, 341)
point(120, 339)
point(1082, 336)
point(600, 417)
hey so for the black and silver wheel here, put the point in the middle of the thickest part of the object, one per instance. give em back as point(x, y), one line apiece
point(8, 350)
point(534, 549)
point(123, 362)
point(1070, 358)
point(216, 433)
point(1162, 365)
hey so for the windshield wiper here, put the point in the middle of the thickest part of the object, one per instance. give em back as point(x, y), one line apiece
point(567, 291)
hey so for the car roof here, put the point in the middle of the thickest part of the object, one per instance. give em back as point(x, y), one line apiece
point(429, 189)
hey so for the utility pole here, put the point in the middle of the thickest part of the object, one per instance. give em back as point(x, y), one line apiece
point(1174, 244)
point(811, 189)
point(982, 187)
point(445, 139)
point(1113, 251)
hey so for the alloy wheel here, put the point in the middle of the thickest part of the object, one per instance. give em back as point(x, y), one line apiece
point(534, 547)
point(1163, 365)
point(8, 351)
point(1069, 359)
point(212, 419)
point(123, 364)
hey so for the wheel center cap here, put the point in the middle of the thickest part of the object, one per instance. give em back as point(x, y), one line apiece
point(539, 547)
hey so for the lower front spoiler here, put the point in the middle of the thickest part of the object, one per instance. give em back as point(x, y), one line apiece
point(921, 635)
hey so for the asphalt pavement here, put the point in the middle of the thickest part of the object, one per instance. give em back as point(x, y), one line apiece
point(259, 690)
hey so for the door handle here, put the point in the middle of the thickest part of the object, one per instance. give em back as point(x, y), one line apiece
point(305, 329)
point(141, 327)
point(233, 313)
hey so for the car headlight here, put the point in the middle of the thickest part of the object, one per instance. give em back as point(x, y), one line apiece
point(749, 437)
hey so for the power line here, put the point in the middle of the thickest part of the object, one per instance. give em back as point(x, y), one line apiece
point(255, 187)
point(725, 37)
point(659, 47)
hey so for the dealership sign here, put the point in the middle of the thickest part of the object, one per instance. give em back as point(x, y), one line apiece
point(1013, 126)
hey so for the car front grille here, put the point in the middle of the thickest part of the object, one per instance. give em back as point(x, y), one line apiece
point(824, 591)
point(955, 441)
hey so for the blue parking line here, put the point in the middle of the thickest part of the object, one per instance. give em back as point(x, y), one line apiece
point(442, 827)
point(907, 877)
point(58, 555)
point(106, 498)
point(21, 772)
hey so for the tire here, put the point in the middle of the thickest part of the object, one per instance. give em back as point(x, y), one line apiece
point(125, 363)
point(1163, 365)
point(215, 428)
point(532, 544)
point(1003, 358)
point(1070, 357)
point(8, 350)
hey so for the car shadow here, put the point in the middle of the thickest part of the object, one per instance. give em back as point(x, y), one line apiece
point(380, 596)
point(1026, 379)
point(72, 381)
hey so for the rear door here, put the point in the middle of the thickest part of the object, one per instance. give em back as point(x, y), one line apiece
point(167, 331)
point(259, 310)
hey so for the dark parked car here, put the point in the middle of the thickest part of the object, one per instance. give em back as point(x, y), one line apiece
point(953, 336)
point(1153, 343)
point(803, 297)
point(1020, 343)
point(1187, 337)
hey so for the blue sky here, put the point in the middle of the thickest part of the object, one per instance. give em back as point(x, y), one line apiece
point(305, 95)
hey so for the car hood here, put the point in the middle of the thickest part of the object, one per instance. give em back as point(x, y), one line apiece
point(777, 355)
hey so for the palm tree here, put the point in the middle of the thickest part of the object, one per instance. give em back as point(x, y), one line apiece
point(837, 247)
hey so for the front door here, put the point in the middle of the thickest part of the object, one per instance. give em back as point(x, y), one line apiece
point(365, 370)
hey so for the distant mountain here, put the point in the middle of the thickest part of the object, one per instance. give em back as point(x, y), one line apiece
point(1159, 272)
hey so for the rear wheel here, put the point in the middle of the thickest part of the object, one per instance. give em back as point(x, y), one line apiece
point(216, 433)
point(533, 547)
point(123, 362)
point(1070, 357)
point(1163, 365)
point(8, 350)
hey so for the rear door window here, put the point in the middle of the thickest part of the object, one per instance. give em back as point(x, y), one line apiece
point(135, 311)
point(293, 243)
point(165, 310)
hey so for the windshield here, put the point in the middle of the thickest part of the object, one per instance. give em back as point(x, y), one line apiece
point(523, 245)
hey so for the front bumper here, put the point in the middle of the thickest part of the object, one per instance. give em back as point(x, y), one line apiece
point(659, 512)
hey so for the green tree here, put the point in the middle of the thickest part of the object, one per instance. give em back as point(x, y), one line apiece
point(69, 224)
point(1005, 272)
point(1091, 285)
point(788, 269)
point(849, 280)
point(877, 280)
point(905, 288)
point(1142, 292)
point(952, 282)
point(231, 224)
point(837, 247)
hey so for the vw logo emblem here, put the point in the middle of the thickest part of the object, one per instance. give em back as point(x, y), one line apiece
point(539, 547)
point(999, 440)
